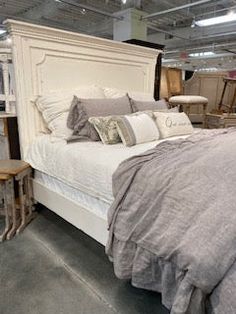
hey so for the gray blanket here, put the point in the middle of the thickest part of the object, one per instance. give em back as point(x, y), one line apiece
point(172, 226)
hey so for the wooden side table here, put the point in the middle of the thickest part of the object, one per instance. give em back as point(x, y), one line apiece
point(20, 171)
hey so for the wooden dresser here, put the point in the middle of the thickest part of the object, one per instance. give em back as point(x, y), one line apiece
point(9, 139)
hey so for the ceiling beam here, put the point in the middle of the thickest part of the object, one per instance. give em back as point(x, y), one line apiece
point(47, 8)
point(185, 6)
point(89, 8)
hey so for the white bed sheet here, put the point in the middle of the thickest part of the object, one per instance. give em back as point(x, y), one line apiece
point(87, 166)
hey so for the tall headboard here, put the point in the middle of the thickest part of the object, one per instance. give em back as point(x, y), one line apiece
point(47, 59)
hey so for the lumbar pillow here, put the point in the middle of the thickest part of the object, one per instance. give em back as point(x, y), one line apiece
point(106, 128)
point(82, 109)
point(148, 105)
point(173, 124)
point(55, 107)
point(137, 128)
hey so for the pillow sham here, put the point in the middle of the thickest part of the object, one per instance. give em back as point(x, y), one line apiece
point(82, 109)
point(148, 105)
point(55, 107)
point(137, 128)
point(106, 128)
point(116, 93)
point(173, 124)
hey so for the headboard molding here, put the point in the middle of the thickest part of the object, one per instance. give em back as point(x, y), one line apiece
point(47, 59)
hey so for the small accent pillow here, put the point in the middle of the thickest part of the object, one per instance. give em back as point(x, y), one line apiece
point(137, 128)
point(82, 109)
point(173, 124)
point(148, 105)
point(106, 128)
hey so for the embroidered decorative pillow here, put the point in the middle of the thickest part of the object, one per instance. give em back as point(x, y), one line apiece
point(173, 124)
point(148, 105)
point(106, 128)
point(137, 128)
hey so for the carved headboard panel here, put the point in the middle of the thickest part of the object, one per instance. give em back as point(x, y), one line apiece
point(47, 59)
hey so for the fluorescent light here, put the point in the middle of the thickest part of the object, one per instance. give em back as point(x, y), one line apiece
point(217, 20)
point(201, 54)
point(211, 69)
point(2, 31)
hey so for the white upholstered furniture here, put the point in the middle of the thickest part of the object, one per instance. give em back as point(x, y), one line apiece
point(174, 86)
point(47, 59)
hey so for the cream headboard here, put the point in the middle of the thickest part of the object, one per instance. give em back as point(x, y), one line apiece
point(47, 59)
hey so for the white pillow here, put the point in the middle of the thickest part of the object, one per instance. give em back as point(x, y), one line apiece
point(137, 128)
point(55, 107)
point(173, 124)
point(116, 93)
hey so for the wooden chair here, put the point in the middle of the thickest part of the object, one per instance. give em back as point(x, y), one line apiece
point(176, 94)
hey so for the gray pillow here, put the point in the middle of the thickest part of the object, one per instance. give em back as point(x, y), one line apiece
point(82, 109)
point(148, 105)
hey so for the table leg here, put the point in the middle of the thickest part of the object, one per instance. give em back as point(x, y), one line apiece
point(12, 231)
point(6, 213)
point(26, 202)
point(204, 115)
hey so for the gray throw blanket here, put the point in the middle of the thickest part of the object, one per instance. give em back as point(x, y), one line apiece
point(172, 226)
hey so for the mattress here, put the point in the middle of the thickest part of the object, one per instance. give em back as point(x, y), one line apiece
point(86, 166)
point(89, 202)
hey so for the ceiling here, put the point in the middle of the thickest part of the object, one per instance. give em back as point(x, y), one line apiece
point(170, 25)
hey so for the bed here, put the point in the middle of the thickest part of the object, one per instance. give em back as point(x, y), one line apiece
point(48, 60)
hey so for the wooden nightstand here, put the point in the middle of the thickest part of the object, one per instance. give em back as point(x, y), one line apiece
point(9, 139)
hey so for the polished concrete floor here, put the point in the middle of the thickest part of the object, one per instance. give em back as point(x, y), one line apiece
point(53, 268)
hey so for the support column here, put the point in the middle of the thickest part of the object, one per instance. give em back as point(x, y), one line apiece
point(131, 26)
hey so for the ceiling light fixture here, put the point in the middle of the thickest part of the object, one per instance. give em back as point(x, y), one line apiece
point(124, 1)
point(201, 54)
point(217, 20)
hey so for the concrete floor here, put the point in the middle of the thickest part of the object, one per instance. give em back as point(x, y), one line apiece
point(53, 268)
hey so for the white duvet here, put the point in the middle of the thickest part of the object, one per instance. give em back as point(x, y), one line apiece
point(87, 166)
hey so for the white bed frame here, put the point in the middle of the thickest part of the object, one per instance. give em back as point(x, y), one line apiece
point(47, 59)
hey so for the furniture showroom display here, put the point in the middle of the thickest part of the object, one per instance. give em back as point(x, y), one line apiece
point(56, 60)
point(172, 77)
point(88, 182)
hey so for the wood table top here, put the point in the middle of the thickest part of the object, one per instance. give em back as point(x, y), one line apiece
point(4, 177)
point(12, 166)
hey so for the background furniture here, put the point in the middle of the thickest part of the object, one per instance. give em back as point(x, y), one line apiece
point(215, 121)
point(174, 86)
point(20, 171)
point(9, 138)
point(230, 106)
point(209, 85)
point(7, 95)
